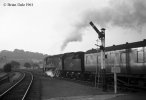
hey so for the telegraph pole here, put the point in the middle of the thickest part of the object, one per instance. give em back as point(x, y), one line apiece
point(101, 36)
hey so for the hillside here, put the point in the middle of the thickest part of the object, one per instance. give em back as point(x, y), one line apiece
point(20, 55)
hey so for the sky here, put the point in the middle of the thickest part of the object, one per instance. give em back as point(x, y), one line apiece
point(59, 26)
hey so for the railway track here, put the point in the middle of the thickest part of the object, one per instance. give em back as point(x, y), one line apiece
point(3, 79)
point(19, 90)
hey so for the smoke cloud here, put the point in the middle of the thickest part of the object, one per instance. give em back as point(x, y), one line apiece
point(122, 13)
point(75, 36)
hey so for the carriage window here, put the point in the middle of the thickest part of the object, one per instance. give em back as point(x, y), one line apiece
point(98, 59)
point(144, 54)
point(106, 56)
point(139, 56)
point(123, 57)
point(87, 61)
point(91, 59)
point(112, 58)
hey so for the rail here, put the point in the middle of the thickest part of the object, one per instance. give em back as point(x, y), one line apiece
point(28, 87)
point(12, 86)
point(20, 89)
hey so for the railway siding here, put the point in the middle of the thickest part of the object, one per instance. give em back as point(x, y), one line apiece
point(19, 90)
point(15, 76)
point(9, 82)
point(2, 74)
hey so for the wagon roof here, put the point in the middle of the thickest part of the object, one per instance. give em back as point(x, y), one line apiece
point(121, 46)
point(127, 45)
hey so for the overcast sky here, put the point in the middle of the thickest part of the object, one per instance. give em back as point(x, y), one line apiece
point(58, 26)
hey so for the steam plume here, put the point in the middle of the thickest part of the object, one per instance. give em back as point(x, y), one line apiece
point(122, 13)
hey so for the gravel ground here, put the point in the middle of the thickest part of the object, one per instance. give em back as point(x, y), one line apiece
point(55, 89)
point(89, 97)
point(130, 96)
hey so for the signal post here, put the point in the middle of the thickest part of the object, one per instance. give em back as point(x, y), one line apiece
point(101, 36)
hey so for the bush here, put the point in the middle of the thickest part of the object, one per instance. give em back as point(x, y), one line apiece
point(7, 68)
point(27, 65)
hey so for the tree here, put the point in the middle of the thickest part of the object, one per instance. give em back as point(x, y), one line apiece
point(15, 64)
point(27, 65)
point(7, 68)
point(35, 65)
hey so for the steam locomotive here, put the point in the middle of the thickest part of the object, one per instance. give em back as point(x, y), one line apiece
point(130, 58)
